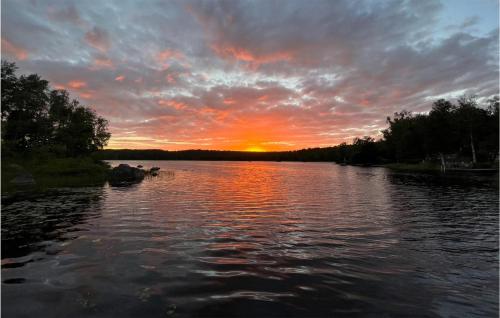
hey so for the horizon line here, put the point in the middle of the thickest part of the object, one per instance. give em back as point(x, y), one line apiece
point(219, 150)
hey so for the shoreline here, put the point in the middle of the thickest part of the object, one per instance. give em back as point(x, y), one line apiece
point(87, 171)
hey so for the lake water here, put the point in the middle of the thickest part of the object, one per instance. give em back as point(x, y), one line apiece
point(256, 239)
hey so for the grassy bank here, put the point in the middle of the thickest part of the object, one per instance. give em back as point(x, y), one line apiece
point(54, 172)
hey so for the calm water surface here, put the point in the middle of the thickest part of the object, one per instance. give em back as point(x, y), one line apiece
point(256, 239)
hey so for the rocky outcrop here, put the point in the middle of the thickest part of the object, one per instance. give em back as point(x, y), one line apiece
point(126, 173)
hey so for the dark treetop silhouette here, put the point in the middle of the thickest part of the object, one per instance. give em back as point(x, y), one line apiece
point(35, 117)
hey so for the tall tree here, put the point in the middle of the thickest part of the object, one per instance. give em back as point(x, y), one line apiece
point(442, 138)
point(470, 122)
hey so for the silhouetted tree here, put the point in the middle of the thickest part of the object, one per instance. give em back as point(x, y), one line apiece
point(364, 151)
point(470, 121)
point(34, 117)
point(406, 137)
point(491, 141)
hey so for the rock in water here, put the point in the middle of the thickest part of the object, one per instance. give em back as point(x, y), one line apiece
point(154, 171)
point(23, 179)
point(126, 173)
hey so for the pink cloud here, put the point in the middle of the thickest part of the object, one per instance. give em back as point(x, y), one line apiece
point(172, 103)
point(169, 54)
point(171, 79)
point(87, 95)
point(102, 63)
point(242, 54)
point(10, 48)
point(76, 84)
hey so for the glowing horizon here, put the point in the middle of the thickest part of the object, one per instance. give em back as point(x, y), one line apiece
point(259, 75)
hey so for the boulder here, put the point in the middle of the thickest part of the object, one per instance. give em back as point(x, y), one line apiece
point(154, 169)
point(126, 173)
point(23, 179)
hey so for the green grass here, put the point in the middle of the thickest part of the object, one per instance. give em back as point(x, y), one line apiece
point(422, 167)
point(54, 172)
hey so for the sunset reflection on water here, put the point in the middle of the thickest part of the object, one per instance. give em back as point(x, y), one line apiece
point(255, 239)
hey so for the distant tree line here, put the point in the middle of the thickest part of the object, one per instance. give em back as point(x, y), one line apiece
point(36, 118)
point(463, 130)
point(312, 154)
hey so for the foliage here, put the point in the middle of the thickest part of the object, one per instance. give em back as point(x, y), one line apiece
point(35, 117)
point(465, 130)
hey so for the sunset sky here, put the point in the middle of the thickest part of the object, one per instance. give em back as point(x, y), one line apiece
point(254, 75)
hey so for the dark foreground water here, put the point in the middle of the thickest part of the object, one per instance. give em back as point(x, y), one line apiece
point(255, 239)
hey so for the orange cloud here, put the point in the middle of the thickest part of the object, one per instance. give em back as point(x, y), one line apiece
point(14, 50)
point(77, 84)
point(242, 128)
point(119, 78)
point(266, 117)
point(241, 54)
